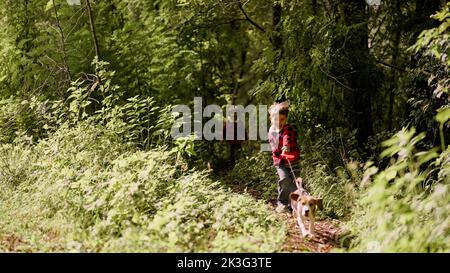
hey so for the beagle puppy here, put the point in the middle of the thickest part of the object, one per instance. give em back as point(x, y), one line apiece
point(304, 206)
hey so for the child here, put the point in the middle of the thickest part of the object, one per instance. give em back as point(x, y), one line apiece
point(283, 140)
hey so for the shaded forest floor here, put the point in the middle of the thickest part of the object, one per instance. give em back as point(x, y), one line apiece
point(327, 230)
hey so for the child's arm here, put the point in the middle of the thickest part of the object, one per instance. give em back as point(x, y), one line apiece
point(288, 140)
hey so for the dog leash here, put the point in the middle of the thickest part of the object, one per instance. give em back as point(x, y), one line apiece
point(290, 166)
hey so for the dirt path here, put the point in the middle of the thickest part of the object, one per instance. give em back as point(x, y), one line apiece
point(327, 234)
point(327, 231)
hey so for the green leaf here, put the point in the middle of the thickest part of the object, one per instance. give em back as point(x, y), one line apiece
point(49, 5)
point(390, 174)
point(73, 2)
point(22, 42)
point(423, 157)
point(443, 115)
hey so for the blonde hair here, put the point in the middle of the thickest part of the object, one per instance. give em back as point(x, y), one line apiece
point(281, 108)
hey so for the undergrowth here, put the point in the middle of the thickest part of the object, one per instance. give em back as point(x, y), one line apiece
point(85, 189)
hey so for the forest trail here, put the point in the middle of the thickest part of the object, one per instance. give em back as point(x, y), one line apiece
point(327, 234)
point(327, 231)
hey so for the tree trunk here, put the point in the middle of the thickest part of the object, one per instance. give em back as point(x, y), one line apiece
point(276, 38)
point(93, 32)
point(314, 7)
point(353, 13)
point(26, 27)
point(397, 25)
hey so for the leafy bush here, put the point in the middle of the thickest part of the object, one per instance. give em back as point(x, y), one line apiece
point(255, 171)
point(22, 117)
point(338, 192)
point(85, 189)
point(138, 119)
point(14, 164)
point(331, 170)
point(406, 207)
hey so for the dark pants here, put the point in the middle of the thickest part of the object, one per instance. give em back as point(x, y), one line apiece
point(286, 183)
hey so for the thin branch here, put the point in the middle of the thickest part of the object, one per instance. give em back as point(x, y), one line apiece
point(378, 29)
point(248, 18)
point(336, 80)
point(392, 66)
point(219, 23)
point(82, 9)
point(376, 16)
point(94, 34)
point(189, 20)
point(63, 46)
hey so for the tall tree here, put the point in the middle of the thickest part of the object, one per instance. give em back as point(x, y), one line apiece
point(353, 15)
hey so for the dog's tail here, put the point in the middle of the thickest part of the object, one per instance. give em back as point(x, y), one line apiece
point(299, 183)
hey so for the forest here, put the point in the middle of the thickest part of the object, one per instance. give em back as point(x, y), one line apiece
point(87, 92)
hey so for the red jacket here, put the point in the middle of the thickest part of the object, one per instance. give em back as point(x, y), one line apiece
point(287, 140)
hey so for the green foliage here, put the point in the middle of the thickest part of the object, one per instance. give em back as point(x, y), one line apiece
point(86, 158)
point(338, 192)
point(138, 119)
point(442, 117)
point(86, 191)
point(14, 164)
point(161, 63)
point(185, 146)
point(406, 207)
point(255, 172)
point(434, 42)
point(23, 118)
